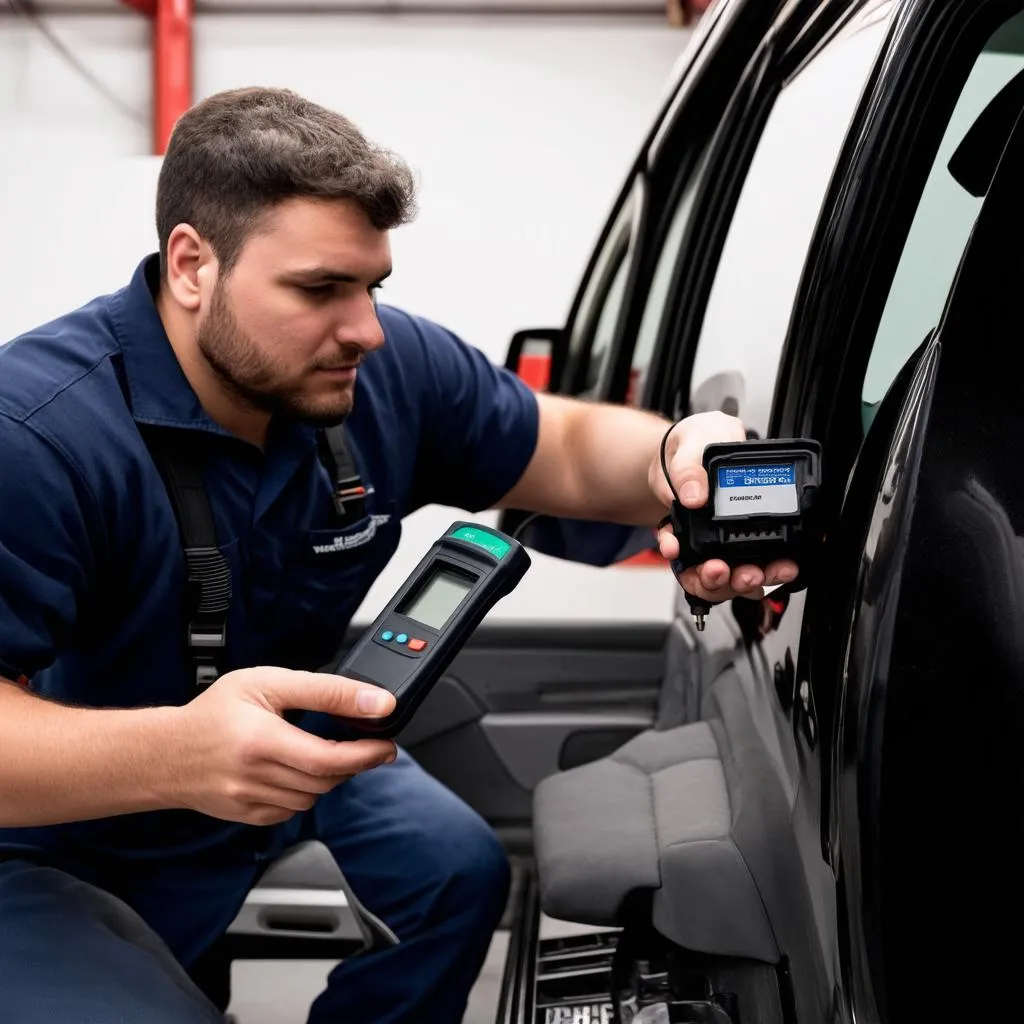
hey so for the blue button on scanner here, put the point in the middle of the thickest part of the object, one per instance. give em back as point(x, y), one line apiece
point(387, 635)
point(401, 638)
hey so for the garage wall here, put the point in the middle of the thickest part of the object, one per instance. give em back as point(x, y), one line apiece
point(520, 131)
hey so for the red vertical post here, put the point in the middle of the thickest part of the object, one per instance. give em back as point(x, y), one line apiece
point(172, 67)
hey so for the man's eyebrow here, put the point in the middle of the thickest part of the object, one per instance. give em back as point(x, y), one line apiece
point(326, 274)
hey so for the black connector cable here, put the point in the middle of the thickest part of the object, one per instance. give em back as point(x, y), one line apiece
point(518, 531)
point(699, 608)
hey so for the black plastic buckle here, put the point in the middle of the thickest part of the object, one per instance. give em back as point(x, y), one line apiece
point(350, 499)
point(206, 674)
point(205, 641)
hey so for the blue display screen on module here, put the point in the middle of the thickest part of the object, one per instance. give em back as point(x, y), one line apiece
point(756, 489)
point(757, 476)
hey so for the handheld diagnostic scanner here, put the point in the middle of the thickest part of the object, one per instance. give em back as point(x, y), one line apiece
point(414, 639)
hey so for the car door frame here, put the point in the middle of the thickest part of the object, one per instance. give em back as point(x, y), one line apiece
point(792, 36)
point(671, 151)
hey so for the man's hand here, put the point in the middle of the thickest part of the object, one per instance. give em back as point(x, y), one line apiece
point(712, 580)
point(233, 756)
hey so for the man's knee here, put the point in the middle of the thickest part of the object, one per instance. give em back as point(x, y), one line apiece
point(413, 851)
point(474, 876)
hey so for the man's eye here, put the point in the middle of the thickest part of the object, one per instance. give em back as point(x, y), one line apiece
point(317, 291)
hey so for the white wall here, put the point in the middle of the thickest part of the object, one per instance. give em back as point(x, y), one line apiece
point(520, 131)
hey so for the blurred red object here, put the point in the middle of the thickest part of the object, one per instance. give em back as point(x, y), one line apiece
point(172, 63)
point(685, 12)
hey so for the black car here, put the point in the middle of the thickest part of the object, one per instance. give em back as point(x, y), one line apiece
point(806, 812)
point(823, 231)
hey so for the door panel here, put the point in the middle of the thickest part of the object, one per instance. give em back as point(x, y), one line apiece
point(523, 702)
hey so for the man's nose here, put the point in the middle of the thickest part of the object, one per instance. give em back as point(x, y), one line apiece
point(361, 326)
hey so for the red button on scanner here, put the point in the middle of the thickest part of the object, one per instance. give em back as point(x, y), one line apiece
point(417, 645)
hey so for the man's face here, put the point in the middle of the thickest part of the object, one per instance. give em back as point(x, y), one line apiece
point(287, 328)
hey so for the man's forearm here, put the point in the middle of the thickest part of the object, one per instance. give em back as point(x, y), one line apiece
point(601, 462)
point(610, 449)
point(60, 763)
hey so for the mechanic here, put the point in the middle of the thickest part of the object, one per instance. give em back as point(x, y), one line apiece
point(137, 814)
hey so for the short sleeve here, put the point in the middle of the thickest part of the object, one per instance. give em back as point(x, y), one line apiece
point(45, 550)
point(478, 424)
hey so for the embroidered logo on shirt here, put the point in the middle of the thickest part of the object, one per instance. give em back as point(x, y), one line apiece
point(346, 542)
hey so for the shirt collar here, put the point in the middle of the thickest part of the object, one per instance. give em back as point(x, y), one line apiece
point(160, 392)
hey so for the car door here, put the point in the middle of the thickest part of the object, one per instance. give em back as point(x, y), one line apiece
point(928, 783)
point(524, 700)
point(902, 691)
point(844, 272)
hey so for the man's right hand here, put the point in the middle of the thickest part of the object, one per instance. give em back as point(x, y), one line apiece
point(233, 756)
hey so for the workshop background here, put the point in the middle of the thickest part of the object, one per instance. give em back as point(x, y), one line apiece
point(519, 119)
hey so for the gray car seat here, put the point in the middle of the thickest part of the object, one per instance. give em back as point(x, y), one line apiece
point(698, 821)
point(657, 815)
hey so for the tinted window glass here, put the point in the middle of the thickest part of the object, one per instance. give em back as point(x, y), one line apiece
point(942, 225)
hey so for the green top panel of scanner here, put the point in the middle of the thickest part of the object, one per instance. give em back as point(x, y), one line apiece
point(482, 539)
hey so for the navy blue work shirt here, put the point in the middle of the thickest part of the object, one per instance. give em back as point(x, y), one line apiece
point(91, 566)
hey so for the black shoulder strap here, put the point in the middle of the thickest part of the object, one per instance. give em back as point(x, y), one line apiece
point(349, 491)
point(209, 574)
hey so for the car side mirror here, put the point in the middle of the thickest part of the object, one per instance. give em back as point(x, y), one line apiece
point(538, 356)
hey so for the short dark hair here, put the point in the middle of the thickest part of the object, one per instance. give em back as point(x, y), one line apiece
point(237, 154)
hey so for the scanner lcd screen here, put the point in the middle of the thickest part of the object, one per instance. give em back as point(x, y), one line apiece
point(437, 599)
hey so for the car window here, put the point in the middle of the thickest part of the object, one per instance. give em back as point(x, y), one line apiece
point(593, 328)
point(604, 332)
point(755, 286)
point(941, 227)
point(656, 303)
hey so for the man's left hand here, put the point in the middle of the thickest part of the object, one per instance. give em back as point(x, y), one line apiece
point(713, 581)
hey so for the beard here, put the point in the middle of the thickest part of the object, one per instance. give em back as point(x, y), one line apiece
point(251, 376)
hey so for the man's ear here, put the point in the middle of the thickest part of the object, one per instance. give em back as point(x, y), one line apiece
point(191, 267)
